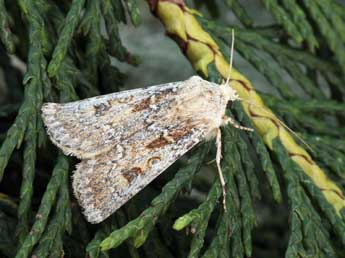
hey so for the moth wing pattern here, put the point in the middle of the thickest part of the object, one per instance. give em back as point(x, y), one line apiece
point(103, 184)
point(90, 127)
point(127, 139)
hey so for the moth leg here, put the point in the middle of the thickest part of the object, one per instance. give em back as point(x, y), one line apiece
point(227, 120)
point(218, 158)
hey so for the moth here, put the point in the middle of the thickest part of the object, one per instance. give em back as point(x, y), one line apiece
point(126, 139)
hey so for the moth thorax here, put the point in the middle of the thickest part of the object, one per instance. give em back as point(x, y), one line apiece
point(229, 93)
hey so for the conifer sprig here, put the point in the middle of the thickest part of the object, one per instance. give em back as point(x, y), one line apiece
point(79, 39)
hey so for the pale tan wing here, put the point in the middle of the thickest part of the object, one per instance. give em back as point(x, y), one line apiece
point(105, 183)
point(93, 126)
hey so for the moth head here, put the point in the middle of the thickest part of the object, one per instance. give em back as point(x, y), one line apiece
point(229, 93)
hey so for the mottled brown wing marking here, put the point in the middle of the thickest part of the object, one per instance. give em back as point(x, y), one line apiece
point(96, 185)
point(101, 109)
point(142, 105)
point(101, 191)
point(93, 126)
point(163, 94)
point(158, 143)
point(137, 170)
point(125, 100)
point(153, 99)
point(179, 133)
point(152, 161)
point(132, 173)
point(128, 175)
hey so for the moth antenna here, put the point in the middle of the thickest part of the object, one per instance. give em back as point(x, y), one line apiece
point(231, 55)
point(219, 134)
point(280, 122)
point(218, 158)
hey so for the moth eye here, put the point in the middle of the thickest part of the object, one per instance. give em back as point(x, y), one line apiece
point(153, 161)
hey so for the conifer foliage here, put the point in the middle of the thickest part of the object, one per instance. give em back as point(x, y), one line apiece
point(285, 194)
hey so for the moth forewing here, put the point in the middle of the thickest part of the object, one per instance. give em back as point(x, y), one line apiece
point(127, 139)
point(90, 127)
